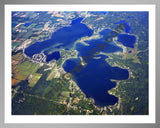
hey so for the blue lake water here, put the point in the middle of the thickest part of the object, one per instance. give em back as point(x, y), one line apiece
point(27, 24)
point(127, 40)
point(109, 47)
point(54, 55)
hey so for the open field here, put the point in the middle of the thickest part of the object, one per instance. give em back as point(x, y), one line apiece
point(54, 74)
point(65, 93)
point(27, 68)
point(20, 77)
point(17, 57)
point(34, 79)
point(14, 81)
point(24, 70)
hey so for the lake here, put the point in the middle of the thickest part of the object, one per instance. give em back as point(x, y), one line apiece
point(96, 78)
point(62, 38)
